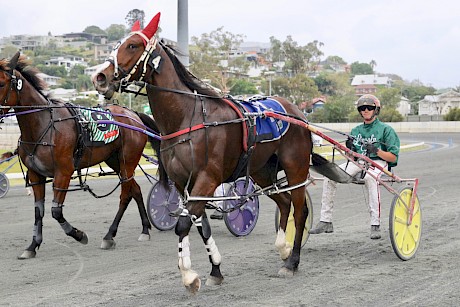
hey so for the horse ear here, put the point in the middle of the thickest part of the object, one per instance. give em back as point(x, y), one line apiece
point(14, 61)
point(136, 26)
point(152, 27)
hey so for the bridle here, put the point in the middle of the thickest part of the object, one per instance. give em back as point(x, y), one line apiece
point(143, 61)
point(15, 84)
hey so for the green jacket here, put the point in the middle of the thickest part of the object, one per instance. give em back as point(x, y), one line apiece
point(381, 135)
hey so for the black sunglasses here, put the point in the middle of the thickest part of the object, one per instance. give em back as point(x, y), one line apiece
point(362, 108)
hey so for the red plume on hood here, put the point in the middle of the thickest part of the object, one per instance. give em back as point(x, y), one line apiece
point(152, 27)
point(136, 26)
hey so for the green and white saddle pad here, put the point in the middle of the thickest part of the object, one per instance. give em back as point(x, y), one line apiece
point(103, 132)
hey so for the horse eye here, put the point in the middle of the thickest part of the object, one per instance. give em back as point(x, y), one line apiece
point(132, 46)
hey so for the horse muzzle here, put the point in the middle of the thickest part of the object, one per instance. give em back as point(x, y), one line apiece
point(103, 86)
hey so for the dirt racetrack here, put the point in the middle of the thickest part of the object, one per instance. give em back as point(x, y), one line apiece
point(345, 268)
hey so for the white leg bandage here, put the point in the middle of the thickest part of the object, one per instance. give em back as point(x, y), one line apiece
point(185, 264)
point(213, 251)
point(184, 254)
point(283, 247)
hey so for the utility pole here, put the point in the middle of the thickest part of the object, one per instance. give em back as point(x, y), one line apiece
point(182, 30)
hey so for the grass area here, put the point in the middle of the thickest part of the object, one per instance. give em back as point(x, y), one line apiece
point(325, 150)
point(16, 168)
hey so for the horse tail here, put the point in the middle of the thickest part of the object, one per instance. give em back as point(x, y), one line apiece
point(150, 123)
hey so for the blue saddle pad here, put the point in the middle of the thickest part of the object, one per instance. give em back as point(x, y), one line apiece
point(268, 129)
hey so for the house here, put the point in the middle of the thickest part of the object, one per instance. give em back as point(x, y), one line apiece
point(403, 106)
point(63, 94)
point(26, 42)
point(315, 103)
point(367, 84)
point(50, 80)
point(67, 61)
point(439, 104)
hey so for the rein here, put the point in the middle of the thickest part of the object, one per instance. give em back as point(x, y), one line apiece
point(143, 84)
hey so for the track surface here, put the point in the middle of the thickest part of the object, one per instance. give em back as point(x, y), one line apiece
point(343, 268)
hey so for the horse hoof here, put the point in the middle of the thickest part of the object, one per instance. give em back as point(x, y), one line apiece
point(195, 286)
point(108, 244)
point(27, 255)
point(285, 272)
point(144, 237)
point(214, 281)
point(84, 239)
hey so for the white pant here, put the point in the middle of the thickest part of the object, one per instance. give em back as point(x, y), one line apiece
point(372, 192)
point(221, 190)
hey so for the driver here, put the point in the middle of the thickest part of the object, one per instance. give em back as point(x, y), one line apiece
point(381, 144)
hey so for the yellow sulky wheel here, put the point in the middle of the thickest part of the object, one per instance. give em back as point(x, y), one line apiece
point(290, 228)
point(405, 237)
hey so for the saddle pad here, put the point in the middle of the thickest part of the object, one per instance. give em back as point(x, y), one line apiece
point(267, 129)
point(105, 133)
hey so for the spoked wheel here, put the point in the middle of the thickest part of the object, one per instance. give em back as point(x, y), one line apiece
point(290, 227)
point(242, 221)
point(4, 184)
point(404, 235)
point(163, 200)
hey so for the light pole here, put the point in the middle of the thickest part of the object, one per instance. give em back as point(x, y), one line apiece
point(269, 74)
point(182, 30)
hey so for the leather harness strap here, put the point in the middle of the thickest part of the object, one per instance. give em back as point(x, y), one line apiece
point(203, 125)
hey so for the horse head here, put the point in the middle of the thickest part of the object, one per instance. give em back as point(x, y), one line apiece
point(132, 58)
point(10, 84)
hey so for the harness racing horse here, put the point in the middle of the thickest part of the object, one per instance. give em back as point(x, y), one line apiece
point(203, 138)
point(49, 148)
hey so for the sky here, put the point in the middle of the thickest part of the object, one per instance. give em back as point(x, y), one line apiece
point(417, 40)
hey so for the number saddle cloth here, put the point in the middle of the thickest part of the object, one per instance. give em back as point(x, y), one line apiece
point(97, 134)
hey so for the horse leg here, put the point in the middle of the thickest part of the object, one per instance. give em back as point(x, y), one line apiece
point(129, 189)
point(263, 178)
point(108, 242)
point(195, 213)
point(204, 229)
point(39, 196)
point(284, 247)
point(60, 185)
point(190, 278)
point(137, 195)
point(300, 216)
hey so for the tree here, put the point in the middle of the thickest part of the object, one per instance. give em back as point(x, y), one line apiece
point(8, 51)
point(389, 97)
point(336, 110)
point(373, 63)
point(115, 32)
point(242, 87)
point(453, 115)
point(214, 58)
point(335, 59)
point(133, 16)
point(297, 89)
point(94, 30)
point(361, 69)
point(53, 70)
point(334, 84)
point(299, 59)
point(390, 115)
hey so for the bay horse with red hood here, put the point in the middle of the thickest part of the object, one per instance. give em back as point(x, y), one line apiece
point(52, 146)
point(204, 138)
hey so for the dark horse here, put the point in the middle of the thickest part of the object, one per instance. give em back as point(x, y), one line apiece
point(198, 160)
point(48, 147)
